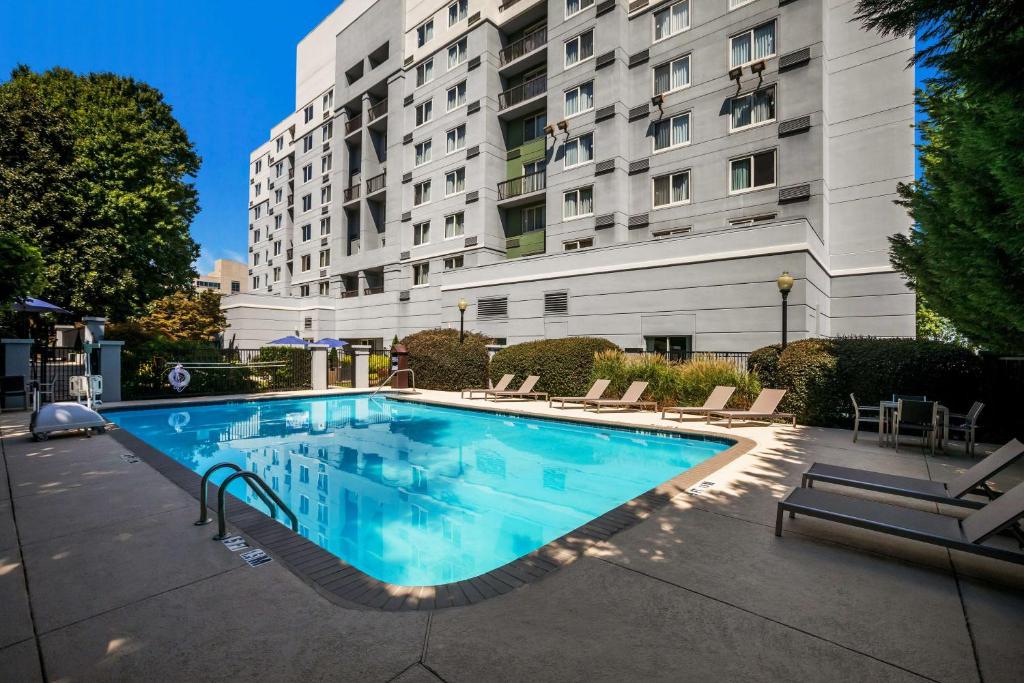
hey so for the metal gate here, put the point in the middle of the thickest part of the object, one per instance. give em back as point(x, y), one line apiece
point(54, 366)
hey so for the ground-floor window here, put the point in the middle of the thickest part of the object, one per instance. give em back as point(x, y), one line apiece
point(675, 347)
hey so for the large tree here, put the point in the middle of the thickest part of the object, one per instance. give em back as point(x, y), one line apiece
point(95, 173)
point(195, 316)
point(20, 269)
point(965, 254)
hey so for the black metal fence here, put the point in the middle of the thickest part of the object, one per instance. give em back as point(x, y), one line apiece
point(54, 366)
point(215, 371)
point(737, 358)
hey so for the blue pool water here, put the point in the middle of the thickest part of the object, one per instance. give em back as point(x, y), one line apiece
point(414, 494)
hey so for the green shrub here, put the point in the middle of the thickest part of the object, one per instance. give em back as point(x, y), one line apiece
point(700, 375)
point(564, 365)
point(764, 363)
point(441, 362)
point(807, 370)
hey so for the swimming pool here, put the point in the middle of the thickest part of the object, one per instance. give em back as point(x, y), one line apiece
point(415, 494)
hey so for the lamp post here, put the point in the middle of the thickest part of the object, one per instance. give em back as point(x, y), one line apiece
point(785, 283)
point(462, 319)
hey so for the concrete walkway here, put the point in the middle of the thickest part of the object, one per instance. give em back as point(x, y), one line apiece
point(104, 577)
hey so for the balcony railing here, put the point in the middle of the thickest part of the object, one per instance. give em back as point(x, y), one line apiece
point(353, 124)
point(349, 293)
point(524, 184)
point(522, 92)
point(373, 290)
point(351, 193)
point(524, 46)
point(376, 111)
point(375, 184)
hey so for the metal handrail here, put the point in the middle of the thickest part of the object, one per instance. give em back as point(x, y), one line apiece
point(377, 110)
point(391, 376)
point(222, 515)
point(522, 92)
point(204, 518)
point(524, 184)
point(524, 46)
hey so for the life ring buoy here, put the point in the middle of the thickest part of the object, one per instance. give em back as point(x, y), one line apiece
point(179, 377)
point(178, 421)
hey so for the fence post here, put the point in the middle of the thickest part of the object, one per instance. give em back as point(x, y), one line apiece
point(491, 350)
point(318, 366)
point(94, 327)
point(17, 358)
point(110, 366)
point(361, 366)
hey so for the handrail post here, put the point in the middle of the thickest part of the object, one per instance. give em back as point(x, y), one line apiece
point(204, 518)
point(222, 516)
point(391, 376)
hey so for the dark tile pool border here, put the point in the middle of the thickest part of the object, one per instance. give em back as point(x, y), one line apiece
point(348, 586)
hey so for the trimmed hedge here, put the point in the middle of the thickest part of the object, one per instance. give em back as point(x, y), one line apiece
point(441, 362)
point(820, 374)
point(564, 365)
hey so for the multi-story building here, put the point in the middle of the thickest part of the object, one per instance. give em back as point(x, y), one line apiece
point(228, 277)
point(641, 172)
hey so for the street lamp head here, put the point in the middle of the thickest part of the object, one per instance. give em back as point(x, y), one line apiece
point(463, 305)
point(785, 282)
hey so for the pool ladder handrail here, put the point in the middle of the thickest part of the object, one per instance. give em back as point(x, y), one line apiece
point(255, 482)
point(391, 376)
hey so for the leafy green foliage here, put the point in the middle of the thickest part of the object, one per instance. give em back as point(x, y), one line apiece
point(20, 269)
point(441, 362)
point(191, 315)
point(93, 174)
point(764, 363)
point(564, 365)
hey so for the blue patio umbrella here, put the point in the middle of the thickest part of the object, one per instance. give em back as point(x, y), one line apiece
point(333, 343)
point(288, 341)
point(30, 305)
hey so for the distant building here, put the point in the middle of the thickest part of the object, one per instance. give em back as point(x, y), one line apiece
point(228, 277)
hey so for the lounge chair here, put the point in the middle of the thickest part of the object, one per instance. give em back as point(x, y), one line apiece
point(502, 385)
point(525, 390)
point(716, 401)
point(762, 409)
point(596, 392)
point(968, 534)
point(630, 399)
point(951, 493)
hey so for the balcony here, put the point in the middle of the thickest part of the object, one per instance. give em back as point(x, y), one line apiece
point(512, 191)
point(527, 244)
point(376, 184)
point(373, 290)
point(375, 114)
point(530, 45)
point(350, 194)
point(516, 99)
point(353, 124)
point(349, 293)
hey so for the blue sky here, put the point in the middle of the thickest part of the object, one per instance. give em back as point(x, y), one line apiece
point(227, 68)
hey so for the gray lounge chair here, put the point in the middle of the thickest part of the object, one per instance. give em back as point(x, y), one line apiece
point(968, 534)
point(502, 385)
point(596, 391)
point(761, 410)
point(630, 399)
point(525, 390)
point(951, 493)
point(716, 401)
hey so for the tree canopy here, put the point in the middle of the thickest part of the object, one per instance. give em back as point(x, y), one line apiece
point(20, 268)
point(193, 316)
point(95, 175)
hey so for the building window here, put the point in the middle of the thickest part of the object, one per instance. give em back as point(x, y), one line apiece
point(456, 139)
point(277, 198)
point(752, 172)
point(425, 72)
point(672, 20)
point(672, 76)
point(579, 49)
point(579, 150)
point(454, 182)
point(573, 7)
point(236, 286)
point(307, 232)
point(305, 262)
point(328, 100)
point(278, 169)
point(303, 291)
point(754, 109)
point(533, 126)
point(672, 189)
point(259, 189)
point(256, 282)
point(457, 54)
point(325, 194)
point(423, 152)
point(307, 173)
point(256, 212)
point(458, 11)
point(277, 221)
point(533, 218)
point(325, 258)
point(325, 288)
point(325, 226)
point(576, 245)
point(752, 46)
point(673, 132)
point(307, 202)
point(424, 112)
point(256, 236)
point(456, 96)
point(307, 143)
point(326, 162)
point(277, 273)
point(256, 258)
point(421, 274)
point(577, 203)
point(277, 248)
point(280, 144)
point(327, 132)
point(579, 99)
point(259, 166)
point(424, 33)
point(421, 193)
point(421, 233)
point(307, 114)
point(675, 348)
point(454, 225)
point(671, 232)
point(454, 262)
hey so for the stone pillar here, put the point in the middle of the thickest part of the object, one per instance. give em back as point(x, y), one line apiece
point(17, 358)
point(318, 366)
point(361, 366)
point(400, 361)
point(94, 326)
point(110, 365)
point(491, 350)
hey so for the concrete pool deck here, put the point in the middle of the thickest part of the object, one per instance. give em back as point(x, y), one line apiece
point(103, 576)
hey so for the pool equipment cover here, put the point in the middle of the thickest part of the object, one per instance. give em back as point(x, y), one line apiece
point(58, 417)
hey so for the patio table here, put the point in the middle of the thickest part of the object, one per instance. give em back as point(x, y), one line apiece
point(887, 409)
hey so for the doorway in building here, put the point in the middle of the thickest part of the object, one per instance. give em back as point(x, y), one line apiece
point(672, 347)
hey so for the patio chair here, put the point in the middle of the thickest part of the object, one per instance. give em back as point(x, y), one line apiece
point(896, 398)
point(967, 425)
point(630, 399)
point(525, 390)
point(972, 481)
point(502, 385)
point(868, 415)
point(762, 409)
point(596, 391)
point(968, 535)
point(917, 416)
point(13, 386)
point(717, 400)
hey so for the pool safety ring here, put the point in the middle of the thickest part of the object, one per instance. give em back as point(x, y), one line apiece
point(178, 421)
point(179, 377)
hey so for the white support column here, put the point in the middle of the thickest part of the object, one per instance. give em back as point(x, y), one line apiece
point(318, 366)
point(110, 368)
point(361, 366)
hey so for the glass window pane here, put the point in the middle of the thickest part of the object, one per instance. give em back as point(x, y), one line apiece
point(661, 24)
point(680, 16)
point(662, 79)
point(764, 41)
point(586, 144)
point(740, 174)
point(741, 112)
point(572, 153)
point(680, 187)
point(586, 201)
point(741, 49)
point(681, 130)
point(572, 52)
point(587, 45)
point(764, 168)
point(572, 102)
point(661, 135)
point(569, 208)
point(681, 72)
point(661, 191)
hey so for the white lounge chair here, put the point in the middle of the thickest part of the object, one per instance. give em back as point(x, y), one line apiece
point(596, 391)
point(525, 390)
point(502, 385)
point(761, 410)
point(716, 401)
point(630, 399)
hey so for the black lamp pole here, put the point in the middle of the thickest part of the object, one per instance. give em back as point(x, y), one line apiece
point(462, 319)
point(785, 283)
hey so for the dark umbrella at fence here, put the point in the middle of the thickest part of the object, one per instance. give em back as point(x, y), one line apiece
point(288, 341)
